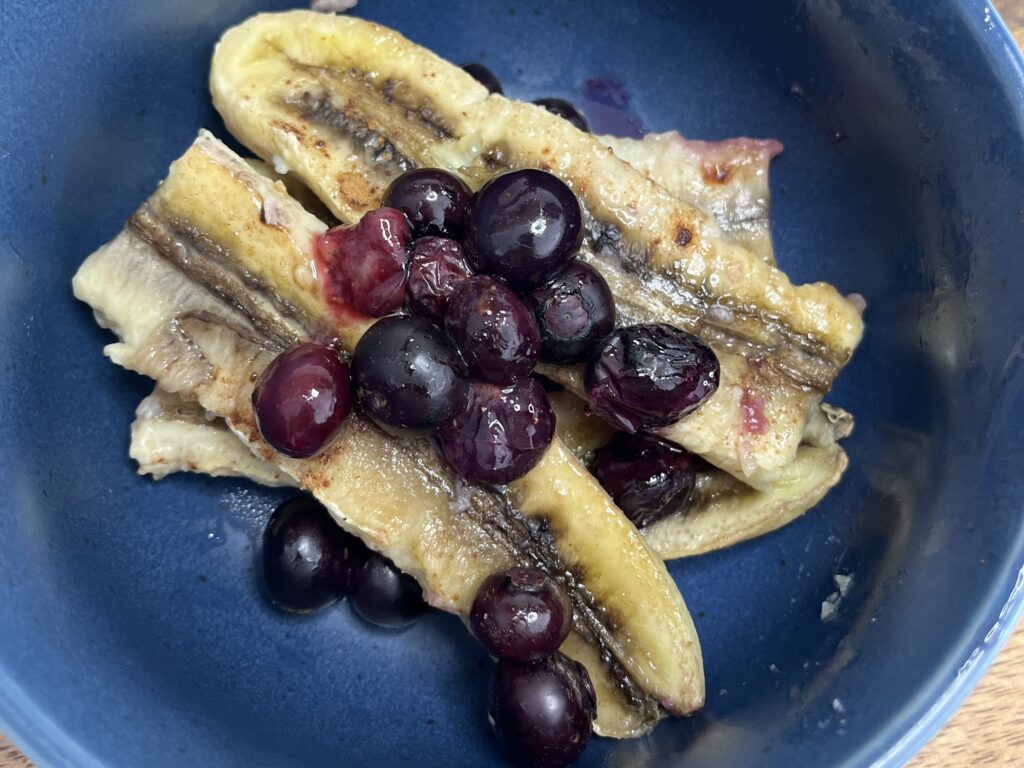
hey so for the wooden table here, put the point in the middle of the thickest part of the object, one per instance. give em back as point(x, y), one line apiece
point(988, 731)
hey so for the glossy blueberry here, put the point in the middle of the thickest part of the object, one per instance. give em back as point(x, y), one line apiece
point(383, 595)
point(649, 478)
point(301, 399)
point(407, 376)
point(436, 267)
point(566, 110)
point(524, 226)
point(646, 376)
point(493, 329)
point(542, 712)
point(484, 76)
point(501, 434)
point(574, 311)
point(364, 265)
point(435, 201)
point(521, 614)
point(306, 556)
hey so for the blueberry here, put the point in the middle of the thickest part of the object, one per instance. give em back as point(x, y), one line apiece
point(383, 595)
point(542, 712)
point(524, 226)
point(649, 478)
point(435, 201)
point(501, 434)
point(301, 399)
point(646, 376)
point(306, 556)
point(484, 76)
point(566, 110)
point(574, 311)
point(493, 330)
point(408, 377)
point(437, 266)
point(521, 615)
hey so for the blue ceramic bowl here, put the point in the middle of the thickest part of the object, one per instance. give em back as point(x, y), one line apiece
point(133, 628)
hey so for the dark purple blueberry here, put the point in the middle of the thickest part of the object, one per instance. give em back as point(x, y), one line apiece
point(574, 311)
point(434, 200)
point(364, 265)
point(383, 595)
point(524, 226)
point(484, 76)
point(521, 615)
point(436, 266)
point(408, 377)
point(566, 110)
point(646, 376)
point(542, 712)
point(301, 399)
point(649, 478)
point(501, 434)
point(306, 556)
point(493, 330)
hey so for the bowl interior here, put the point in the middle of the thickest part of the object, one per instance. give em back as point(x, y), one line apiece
point(135, 631)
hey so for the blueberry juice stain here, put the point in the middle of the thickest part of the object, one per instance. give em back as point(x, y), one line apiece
point(606, 103)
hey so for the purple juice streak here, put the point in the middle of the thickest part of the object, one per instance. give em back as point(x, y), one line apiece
point(606, 103)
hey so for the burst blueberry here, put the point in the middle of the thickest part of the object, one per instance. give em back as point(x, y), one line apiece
point(495, 332)
point(647, 477)
point(648, 376)
point(501, 434)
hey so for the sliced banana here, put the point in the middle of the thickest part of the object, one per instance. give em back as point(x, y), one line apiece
point(724, 512)
point(347, 105)
point(171, 435)
point(202, 291)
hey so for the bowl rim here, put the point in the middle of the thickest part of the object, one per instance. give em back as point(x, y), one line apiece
point(936, 701)
point(47, 744)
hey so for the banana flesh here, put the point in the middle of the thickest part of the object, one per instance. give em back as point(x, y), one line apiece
point(215, 274)
point(726, 179)
point(171, 435)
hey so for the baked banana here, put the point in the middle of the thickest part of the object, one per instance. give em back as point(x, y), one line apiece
point(173, 435)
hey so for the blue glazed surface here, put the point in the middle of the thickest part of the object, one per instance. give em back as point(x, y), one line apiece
point(133, 629)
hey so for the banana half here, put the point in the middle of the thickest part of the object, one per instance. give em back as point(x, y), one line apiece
point(347, 105)
point(215, 274)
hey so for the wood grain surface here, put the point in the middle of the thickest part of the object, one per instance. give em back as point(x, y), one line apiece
point(988, 731)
